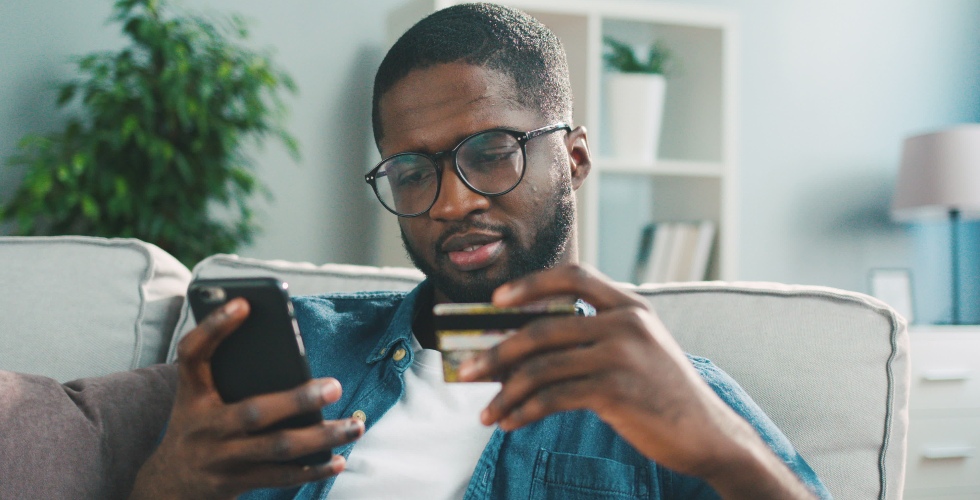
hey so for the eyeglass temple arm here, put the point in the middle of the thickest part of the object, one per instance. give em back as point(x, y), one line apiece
point(547, 129)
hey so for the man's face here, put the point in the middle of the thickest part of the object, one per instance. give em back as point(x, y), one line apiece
point(469, 244)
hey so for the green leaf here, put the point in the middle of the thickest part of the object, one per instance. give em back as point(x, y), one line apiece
point(90, 208)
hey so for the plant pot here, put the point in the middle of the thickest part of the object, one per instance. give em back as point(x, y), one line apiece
point(634, 111)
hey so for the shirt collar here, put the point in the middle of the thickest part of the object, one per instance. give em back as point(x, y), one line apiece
point(399, 329)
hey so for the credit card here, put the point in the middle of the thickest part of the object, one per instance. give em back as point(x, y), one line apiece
point(463, 330)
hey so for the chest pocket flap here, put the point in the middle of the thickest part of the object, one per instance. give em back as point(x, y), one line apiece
point(564, 476)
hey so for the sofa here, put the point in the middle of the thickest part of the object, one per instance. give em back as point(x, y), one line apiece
point(88, 327)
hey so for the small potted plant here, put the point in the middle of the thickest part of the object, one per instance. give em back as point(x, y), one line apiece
point(634, 99)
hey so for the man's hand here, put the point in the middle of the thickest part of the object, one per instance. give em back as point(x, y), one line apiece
point(215, 450)
point(625, 366)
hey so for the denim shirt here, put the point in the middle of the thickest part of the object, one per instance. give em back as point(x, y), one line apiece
point(569, 455)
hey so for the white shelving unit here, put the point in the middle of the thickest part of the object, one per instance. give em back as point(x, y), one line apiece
point(695, 177)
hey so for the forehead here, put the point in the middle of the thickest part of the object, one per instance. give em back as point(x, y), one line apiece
point(431, 109)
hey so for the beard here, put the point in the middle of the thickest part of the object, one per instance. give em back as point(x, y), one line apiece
point(553, 233)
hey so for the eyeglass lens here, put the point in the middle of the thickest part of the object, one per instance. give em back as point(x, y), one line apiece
point(491, 163)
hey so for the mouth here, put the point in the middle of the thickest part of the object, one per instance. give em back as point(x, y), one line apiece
point(470, 252)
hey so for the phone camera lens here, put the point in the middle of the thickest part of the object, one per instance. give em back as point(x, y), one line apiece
point(213, 294)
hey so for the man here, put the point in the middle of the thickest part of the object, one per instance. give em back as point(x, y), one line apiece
point(471, 108)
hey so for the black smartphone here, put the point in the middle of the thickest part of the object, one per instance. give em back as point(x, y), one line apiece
point(265, 354)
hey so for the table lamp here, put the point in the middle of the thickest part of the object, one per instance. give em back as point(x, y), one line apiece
point(940, 179)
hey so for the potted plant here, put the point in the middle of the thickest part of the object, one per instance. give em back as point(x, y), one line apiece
point(634, 99)
point(160, 140)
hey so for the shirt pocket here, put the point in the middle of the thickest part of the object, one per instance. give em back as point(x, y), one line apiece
point(565, 476)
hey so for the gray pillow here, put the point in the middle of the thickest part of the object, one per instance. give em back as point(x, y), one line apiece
point(83, 439)
point(76, 306)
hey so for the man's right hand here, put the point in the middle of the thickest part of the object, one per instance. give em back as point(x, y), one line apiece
point(215, 450)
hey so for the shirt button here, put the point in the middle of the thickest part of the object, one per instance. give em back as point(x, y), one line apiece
point(399, 354)
point(360, 415)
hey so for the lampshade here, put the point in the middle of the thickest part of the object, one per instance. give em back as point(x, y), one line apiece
point(940, 172)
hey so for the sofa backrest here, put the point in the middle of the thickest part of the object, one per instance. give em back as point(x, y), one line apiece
point(829, 367)
point(76, 306)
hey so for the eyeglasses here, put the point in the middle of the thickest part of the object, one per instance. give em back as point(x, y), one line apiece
point(490, 163)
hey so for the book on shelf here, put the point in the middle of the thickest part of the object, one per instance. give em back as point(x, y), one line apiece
point(643, 255)
point(674, 251)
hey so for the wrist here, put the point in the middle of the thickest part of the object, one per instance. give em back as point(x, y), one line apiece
point(745, 467)
point(749, 469)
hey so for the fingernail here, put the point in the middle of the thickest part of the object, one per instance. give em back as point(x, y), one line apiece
point(466, 370)
point(354, 429)
point(471, 368)
point(485, 417)
point(233, 307)
point(329, 390)
point(337, 463)
point(505, 292)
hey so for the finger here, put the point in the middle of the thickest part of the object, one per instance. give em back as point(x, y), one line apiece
point(536, 337)
point(538, 372)
point(196, 348)
point(289, 444)
point(574, 394)
point(258, 412)
point(577, 280)
point(284, 475)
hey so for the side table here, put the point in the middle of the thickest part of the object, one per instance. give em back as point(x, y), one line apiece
point(944, 413)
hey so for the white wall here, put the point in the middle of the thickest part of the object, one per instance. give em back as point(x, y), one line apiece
point(330, 47)
point(828, 90)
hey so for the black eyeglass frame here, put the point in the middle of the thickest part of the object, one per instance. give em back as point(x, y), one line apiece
point(521, 137)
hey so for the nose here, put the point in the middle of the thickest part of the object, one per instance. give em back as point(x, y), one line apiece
point(456, 201)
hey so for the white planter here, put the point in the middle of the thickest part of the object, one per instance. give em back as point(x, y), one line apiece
point(634, 111)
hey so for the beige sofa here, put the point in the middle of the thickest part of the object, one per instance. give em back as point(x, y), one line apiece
point(830, 367)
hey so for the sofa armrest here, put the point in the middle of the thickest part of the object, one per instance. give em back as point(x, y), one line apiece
point(82, 439)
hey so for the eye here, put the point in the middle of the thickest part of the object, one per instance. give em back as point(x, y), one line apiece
point(411, 176)
point(494, 155)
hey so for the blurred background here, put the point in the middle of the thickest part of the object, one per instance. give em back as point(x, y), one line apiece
point(827, 91)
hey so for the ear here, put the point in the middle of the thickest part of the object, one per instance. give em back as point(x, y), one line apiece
point(579, 158)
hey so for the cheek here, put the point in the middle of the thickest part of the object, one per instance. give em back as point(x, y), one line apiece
point(414, 231)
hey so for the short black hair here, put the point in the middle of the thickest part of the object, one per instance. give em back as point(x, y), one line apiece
point(488, 35)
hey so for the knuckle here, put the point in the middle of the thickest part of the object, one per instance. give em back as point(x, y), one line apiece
point(535, 367)
point(217, 484)
point(635, 318)
point(287, 475)
point(282, 447)
point(306, 398)
point(250, 416)
point(537, 407)
point(185, 348)
point(536, 331)
point(578, 272)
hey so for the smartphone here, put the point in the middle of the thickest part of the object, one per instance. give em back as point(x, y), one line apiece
point(464, 330)
point(265, 354)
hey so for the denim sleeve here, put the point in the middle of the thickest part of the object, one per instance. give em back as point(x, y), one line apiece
point(680, 486)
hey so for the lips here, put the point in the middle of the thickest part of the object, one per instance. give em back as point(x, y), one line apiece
point(469, 252)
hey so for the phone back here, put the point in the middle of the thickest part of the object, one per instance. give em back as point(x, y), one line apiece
point(265, 354)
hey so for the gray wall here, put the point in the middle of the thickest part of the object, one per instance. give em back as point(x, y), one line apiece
point(828, 91)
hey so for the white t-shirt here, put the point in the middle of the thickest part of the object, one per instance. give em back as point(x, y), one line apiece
point(427, 445)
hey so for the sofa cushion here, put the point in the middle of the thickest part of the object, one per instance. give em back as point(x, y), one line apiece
point(78, 306)
point(303, 279)
point(84, 439)
point(831, 368)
